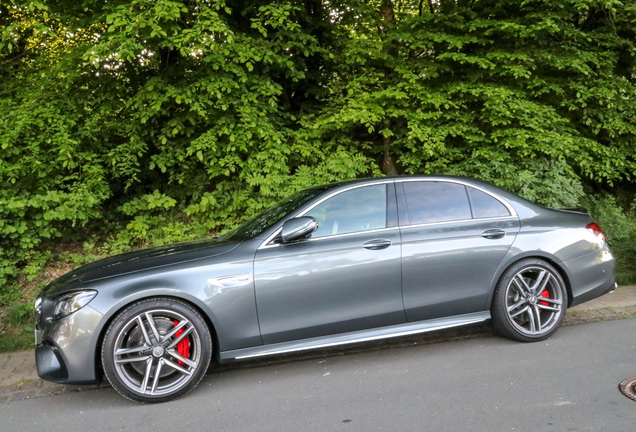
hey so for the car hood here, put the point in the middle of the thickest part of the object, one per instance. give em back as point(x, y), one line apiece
point(136, 261)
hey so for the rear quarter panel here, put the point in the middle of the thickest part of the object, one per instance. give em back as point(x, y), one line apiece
point(561, 238)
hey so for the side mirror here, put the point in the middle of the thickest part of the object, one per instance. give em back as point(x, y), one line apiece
point(294, 229)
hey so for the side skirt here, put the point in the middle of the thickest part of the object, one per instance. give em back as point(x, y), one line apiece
point(356, 337)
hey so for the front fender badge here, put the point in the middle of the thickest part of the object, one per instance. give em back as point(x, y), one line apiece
point(230, 281)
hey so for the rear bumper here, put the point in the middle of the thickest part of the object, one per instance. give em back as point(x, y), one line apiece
point(592, 294)
point(591, 276)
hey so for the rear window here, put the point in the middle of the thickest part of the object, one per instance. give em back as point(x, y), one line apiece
point(485, 206)
point(429, 202)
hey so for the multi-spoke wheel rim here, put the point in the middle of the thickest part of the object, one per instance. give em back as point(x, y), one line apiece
point(534, 301)
point(148, 357)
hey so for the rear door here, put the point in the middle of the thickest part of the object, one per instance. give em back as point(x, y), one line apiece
point(454, 237)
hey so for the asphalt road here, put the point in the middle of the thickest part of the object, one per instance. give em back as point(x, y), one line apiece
point(569, 382)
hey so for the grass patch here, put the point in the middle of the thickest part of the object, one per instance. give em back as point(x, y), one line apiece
point(626, 278)
point(16, 330)
point(16, 340)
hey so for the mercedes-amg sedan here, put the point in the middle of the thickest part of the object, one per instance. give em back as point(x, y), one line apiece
point(336, 264)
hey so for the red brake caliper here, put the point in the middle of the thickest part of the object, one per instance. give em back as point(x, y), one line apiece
point(183, 347)
point(545, 294)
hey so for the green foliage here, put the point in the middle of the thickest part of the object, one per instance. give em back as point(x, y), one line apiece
point(21, 314)
point(537, 96)
point(16, 341)
point(619, 226)
point(150, 121)
point(16, 325)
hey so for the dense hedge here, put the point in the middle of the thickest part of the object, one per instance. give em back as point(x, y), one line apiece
point(134, 121)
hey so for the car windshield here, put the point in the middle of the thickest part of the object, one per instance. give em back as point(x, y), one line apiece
point(274, 214)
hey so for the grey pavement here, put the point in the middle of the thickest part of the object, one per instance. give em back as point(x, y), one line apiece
point(19, 379)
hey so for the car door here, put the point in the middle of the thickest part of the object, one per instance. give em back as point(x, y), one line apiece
point(454, 236)
point(345, 277)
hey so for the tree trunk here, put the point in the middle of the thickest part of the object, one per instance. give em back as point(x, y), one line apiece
point(387, 165)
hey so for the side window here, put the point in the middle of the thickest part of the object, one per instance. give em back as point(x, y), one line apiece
point(485, 206)
point(429, 202)
point(359, 209)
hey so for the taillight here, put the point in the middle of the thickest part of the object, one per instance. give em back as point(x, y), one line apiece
point(596, 230)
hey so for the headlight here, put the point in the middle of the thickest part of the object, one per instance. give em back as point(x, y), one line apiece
point(72, 302)
point(38, 308)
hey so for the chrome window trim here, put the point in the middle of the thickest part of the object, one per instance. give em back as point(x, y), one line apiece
point(513, 214)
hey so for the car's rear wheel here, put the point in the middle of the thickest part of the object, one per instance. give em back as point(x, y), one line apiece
point(156, 350)
point(530, 301)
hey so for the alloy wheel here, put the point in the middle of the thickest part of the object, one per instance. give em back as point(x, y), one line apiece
point(156, 350)
point(534, 301)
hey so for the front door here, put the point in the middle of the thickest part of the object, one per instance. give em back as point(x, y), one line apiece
point(345, 277)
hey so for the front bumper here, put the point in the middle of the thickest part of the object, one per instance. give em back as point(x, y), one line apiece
point(50, 364)
point(66, 349)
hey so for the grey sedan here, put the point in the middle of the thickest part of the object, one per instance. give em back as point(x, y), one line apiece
point(336, 264)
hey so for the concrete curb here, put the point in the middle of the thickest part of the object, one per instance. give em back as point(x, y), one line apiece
point(18, 378)
point(37, 388)
point(604, 314)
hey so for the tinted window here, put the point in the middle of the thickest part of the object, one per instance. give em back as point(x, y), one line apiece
point(359, 209)
point(429, 202)
point(485, 206)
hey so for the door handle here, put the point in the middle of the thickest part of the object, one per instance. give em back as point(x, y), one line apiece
point(493, 234)
point(377, 244)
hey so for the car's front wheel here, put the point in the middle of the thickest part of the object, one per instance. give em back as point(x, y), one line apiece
point(156, 350)
point(530, 301)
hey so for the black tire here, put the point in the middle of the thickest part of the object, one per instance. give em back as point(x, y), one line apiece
point(156, 350)
point(530, 301)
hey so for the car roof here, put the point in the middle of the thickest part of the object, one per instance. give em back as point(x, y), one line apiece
point(517, 202)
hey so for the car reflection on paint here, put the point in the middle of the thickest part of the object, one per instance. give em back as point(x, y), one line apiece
point(336, 264)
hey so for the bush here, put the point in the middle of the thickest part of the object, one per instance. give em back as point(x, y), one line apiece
point(619, 226)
